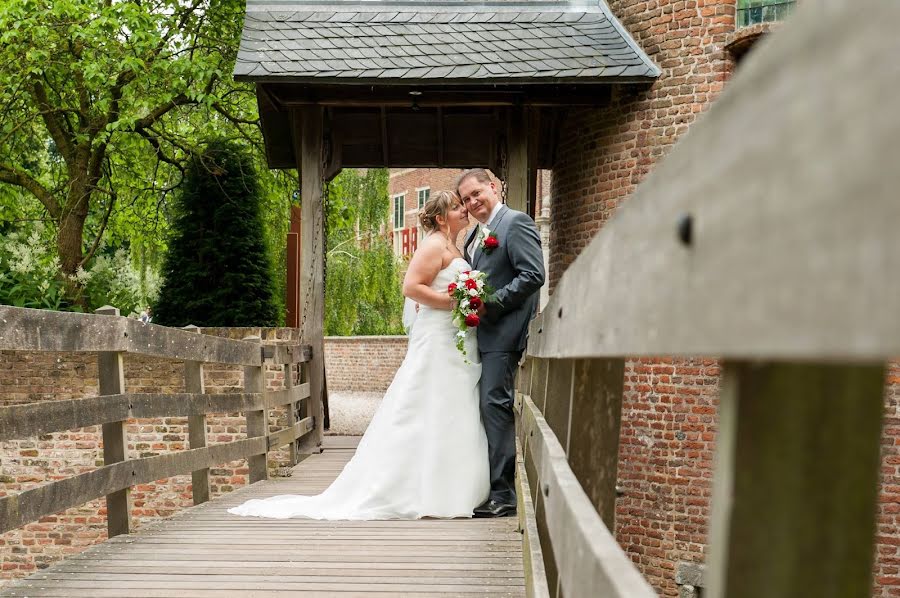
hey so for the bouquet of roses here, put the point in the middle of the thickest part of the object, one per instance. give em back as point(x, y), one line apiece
point(469, 290)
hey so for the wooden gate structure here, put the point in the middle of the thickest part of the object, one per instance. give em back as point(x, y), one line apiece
point(789, 277)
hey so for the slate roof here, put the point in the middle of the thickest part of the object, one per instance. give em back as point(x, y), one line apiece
point(437, 42)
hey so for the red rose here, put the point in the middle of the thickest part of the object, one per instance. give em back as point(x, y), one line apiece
point(472, 320)
point(451, 287)
point(471, 284)
point(491, 242)
point(475, 302)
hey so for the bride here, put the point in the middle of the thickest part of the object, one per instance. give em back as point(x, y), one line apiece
point(425, 452)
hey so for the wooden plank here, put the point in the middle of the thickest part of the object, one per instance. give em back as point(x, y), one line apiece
point(42, 330)
point(532, 556)
point(558, 404)
point(797, 473)
point(521, 173)
point(33, 419)
point(593, 450)
point(257, 420)
point(193, 383)
point(292, 407)
point(111, 370)
point(295, 394)
point(586, 555)
point(30, 505)
point(818, 271)
point(285, 354)
point(309, 138)
point(290, 434)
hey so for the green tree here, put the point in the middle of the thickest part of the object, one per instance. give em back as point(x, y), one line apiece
point(362, 287)
point(100, 104)
point(217, 271)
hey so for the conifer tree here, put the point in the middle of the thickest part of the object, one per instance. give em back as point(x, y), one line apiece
point(217, 270)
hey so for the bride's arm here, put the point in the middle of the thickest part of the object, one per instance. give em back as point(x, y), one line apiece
point(423, 267)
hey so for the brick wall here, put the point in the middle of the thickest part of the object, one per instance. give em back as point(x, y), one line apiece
point(363, 363)
point(30, 462)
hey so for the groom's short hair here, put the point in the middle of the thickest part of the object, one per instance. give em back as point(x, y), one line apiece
point(479, 174)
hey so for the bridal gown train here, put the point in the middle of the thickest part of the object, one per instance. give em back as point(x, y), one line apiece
point(425, 452)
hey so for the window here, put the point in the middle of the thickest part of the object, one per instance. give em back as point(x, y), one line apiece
point(424, 194)
point(751, 12)
point(398, 210)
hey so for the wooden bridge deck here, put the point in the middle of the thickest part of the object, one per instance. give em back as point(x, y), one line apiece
point(205, 551)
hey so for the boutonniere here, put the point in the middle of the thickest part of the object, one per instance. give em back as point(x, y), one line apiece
point(489, 241)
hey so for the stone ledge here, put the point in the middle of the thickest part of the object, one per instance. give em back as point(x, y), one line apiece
point(741, 41)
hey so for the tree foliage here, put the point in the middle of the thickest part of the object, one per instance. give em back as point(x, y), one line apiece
point(217, 271)
point(100, 105)
point(362, 287)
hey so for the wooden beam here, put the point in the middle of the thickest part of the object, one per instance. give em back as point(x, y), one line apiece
point(796, 480)
point(290, 434)
point(521, 158)
point(193, 383)
point(111, 368)
point(292, 406)
point(818, 272)
point(587, 559)
point(42, 330)
point(288, 95)
point(309, 139)
point(532, 556)
point(257, 420)
point(440, 136)
point(30, 505)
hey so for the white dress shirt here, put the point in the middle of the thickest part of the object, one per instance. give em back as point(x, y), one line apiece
point(477, 239)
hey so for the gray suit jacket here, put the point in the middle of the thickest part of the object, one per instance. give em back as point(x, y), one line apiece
point(515, 270)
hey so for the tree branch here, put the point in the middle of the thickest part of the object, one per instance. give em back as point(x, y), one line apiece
point(96, 243)
point(14, 176)
point(54, 122)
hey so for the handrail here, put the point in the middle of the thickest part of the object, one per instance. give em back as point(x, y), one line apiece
point(112, 336)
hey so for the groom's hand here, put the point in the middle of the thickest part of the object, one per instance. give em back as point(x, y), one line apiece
point(481, 310)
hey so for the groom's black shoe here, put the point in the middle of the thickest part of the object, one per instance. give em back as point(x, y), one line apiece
point(492, 508)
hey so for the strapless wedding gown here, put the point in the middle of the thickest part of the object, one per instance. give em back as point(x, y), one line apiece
point(425, 452)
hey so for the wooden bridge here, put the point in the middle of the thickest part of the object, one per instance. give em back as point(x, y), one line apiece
point(790, 277)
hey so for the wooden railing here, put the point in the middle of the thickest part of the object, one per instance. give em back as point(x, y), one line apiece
point(767, 239)
point(111, 337)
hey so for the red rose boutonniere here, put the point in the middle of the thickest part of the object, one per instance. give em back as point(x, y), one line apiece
point(489, 241)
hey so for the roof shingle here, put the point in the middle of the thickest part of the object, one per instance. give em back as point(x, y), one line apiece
point(398, 42)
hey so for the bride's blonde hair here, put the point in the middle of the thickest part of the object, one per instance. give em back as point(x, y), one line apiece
point(438, 204)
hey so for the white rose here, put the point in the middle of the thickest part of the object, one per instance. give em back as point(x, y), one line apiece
point(464, 276)
point(475, 273)
point(464, 303)
point(473, 292)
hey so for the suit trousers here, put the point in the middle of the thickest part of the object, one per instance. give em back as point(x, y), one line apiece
point(498, 374)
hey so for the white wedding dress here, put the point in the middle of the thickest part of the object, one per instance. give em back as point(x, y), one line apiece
point(425, 452)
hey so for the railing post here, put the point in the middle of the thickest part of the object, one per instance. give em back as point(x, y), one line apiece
point(292, 408)
point(111, 369)
point(796, 480)
point(257, 420)
point(193, 383)
point(595, 420)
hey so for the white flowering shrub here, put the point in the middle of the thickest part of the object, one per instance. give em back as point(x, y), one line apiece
point(29, 277)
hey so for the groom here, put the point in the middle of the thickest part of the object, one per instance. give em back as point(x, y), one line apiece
point(507, 247)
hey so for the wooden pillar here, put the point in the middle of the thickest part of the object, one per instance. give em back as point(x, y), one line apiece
point(193, 383)
point(111, 369)
point(257, 420)
point(522, 140)
point(796, 479)
point(308, 140)
point(292, 299)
